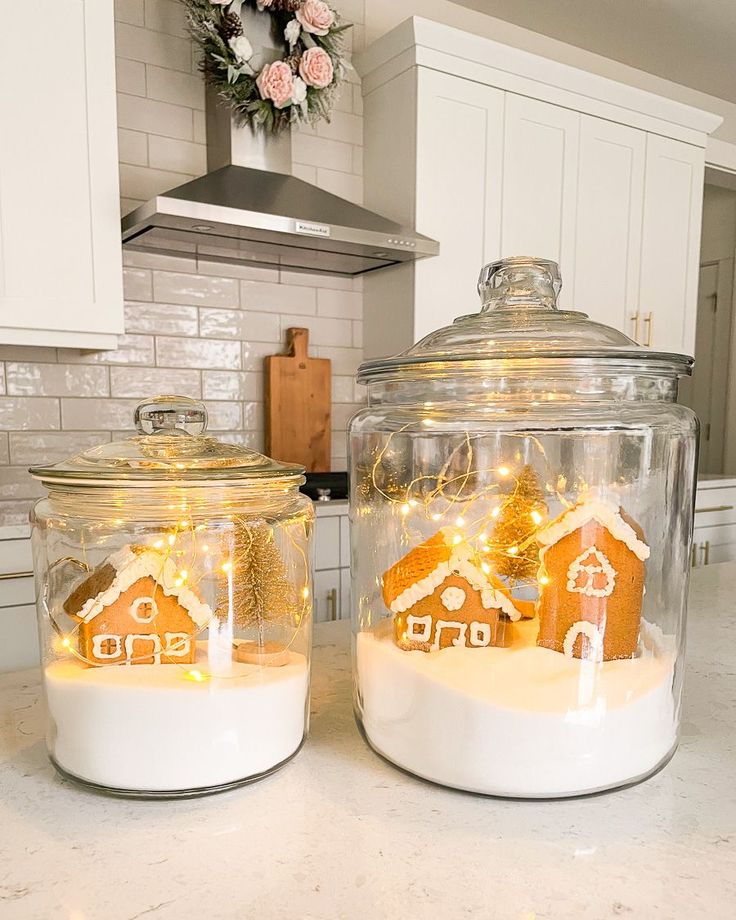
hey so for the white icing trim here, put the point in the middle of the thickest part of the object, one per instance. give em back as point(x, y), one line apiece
point(131, 567)
point(136, 605)
point(450, 624)
point(603, 567)
point(426, 632)
point(105, 637)
point(606, 513)
point(178, 644)
point(460, 564)
point(591, 632)
point(480, 634)
point(453, 598)
point(152, 637)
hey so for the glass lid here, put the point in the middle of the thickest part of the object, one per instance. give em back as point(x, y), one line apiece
point(519, 321)
point(170, 447)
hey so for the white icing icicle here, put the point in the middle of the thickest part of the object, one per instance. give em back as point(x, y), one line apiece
point(606, 513)
point(591, 632)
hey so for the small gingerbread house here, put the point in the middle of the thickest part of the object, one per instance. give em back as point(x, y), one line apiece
point(440, 596)
point(135, 609)
point(591, 582)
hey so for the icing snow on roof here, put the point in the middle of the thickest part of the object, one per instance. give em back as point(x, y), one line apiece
point(606, 513)
point(132, 565)
point(447, 559)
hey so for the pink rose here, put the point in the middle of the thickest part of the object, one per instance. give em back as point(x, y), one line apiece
point(315, 68)
point(276, 82)
point(315, 17)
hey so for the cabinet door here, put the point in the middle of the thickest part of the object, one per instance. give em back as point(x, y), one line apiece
point(60, 252)
point(327, 596)
point(610, 199)
point(345, 594)
point(327, 542)
point(714, 544)
point(673, 204)
point(540, 184)
point(458, 192)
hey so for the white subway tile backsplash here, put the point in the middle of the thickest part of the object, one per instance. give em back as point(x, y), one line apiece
point(342, 127)
point(130, 11)
point(135, 43)
point(4, 450)
point(16, 484)
point(319, 151)
point(94, 414)
point(132, 349)
point(161, 318)
point(142, 382)
point(132, 147)
point(173, 86)
point(316, 280)
point(305, 173)
point(278, 298)
point(27, 353)
point(199, 127)
point(345, 361)
point(176, 287)
point(30, 379)
point(28, 448)
point(239, 324)
point(342, 389)
point(347, 304)
point(255, 352)
point(165, 153)
point(322, 331)
point(137, 284)
point(358, 333)
point(130, 77)
point(232, 385)
point(253, 416)
point(166, 16)
point(2, 379)
point(135, 259)
point(146, 182)
point(20, 413)
point(208, 354)
point(343, 184)
point(224, 416)
point(236, 270)
point(154, 117)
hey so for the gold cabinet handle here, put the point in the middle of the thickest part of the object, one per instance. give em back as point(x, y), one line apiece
point(332, 604)
point(5, 576)
point(694, 557)
point(706, 553)
point(714, 508)
point(648, 326)
point(635, 326)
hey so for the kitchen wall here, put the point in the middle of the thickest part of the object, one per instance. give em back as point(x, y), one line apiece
point(199, 329)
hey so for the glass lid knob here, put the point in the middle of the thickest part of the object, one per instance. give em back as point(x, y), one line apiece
point(518, 283)
point(172, 415)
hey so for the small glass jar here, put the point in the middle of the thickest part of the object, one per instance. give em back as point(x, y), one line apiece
point(521, 518)
point(174, 604)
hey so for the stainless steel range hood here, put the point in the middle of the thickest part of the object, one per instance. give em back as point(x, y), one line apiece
point(250, 210)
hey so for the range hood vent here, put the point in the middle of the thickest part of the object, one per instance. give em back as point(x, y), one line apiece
point(238, 214)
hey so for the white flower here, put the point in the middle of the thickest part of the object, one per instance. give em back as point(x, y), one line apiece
point(300, 91)
point(242, 48)
point(219, 2)
point(291, 32)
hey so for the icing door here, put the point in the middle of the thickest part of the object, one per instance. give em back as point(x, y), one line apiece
point(145, 649)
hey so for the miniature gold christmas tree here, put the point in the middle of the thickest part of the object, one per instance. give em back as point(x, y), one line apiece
point(515, 553)
point(255, 586)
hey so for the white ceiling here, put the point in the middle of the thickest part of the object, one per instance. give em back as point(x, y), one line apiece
point(692, 42)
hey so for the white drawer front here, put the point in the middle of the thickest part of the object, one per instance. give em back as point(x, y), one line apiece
point(715, 506)
point(18, 638)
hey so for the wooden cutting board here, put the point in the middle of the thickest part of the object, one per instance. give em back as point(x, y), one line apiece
point(299, 405)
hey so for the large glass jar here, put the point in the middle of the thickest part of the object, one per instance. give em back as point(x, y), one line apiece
point(521, 511)
point(174, 603)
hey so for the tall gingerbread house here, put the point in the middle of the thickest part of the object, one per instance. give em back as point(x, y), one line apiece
point(591, 582)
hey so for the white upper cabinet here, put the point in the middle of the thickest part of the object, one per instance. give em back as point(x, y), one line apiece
point(604, 279)
point(497, 152)
point(673, 206)
point(60, 252)
point(540, 145)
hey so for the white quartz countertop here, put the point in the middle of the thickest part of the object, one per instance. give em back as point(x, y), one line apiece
point(338, 833)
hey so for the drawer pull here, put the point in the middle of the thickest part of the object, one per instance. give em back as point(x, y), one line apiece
point(714, 508)
point(6, 576)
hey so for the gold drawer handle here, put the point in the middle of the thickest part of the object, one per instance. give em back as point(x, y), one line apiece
point(6, 576)
point(648, 326)
point(714, 508)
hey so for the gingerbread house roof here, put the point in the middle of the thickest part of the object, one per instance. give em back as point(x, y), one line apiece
point(418, 574)
point(104, 585)
point(607, 514)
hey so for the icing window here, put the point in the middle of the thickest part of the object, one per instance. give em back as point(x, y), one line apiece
point(459, 628)
point(177, 644)
point(106, 646)
point(425, 628)
point(480, 634)
point(143, 609)
point(452, 598)
point(591, 574)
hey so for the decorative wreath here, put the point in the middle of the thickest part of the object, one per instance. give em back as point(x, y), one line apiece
point(298, 88)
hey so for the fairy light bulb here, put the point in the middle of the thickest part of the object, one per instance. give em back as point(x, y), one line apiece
point(496, 511)
point(66, 642)
point(486, 568)
point(195, 675)
point(158, 544)
point(503, 471)
point(513, 550)
point(543, 580)
point(227, 566)
point(305, 593)
point(405, 508)
point(436, 517)
point(459, 521)
point(536, 517)
point(172, 539)
point(457, 539)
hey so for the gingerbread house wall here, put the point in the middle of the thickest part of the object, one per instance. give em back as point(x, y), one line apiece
point(618, 615)
point(116, 620)
point(471, 611)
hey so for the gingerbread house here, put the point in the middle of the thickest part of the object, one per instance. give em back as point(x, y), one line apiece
point(591, 582)
point(136, 609)
point(441, 596)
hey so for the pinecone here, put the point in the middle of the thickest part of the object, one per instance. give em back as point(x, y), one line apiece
point(287, 6)
point(231, 26)
point(293, 61)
